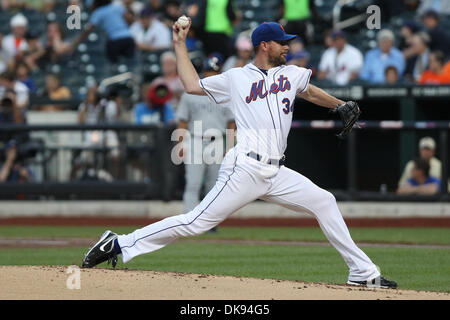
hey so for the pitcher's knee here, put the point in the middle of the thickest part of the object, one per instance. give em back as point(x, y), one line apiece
point(325, 199)
point(329, 197)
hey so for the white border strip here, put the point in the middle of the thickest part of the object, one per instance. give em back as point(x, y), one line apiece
point(258, 209)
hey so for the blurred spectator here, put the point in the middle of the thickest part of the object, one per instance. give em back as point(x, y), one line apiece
point(194, 9)
point(300, 59)
point(376, 60)
point(407, 31)
point(11, 170)
point(10, 113)
point(391, 75)
point(420, 183)
point(49, 5)
point(8, 81)
point(54, 90)
point(297, 55)
point(417, 63)
point(95, 110)
point(13, 147)
point(132, 9)
point(3, 60)
point(438, 38)
point(295, 46)
point(412, 5)
point(327, 40)
point(340, 63)
point(172, 11)
point(427, 147)
point(447, 67)
point(442, 6)
point(15, 43)
point(89, 113)
point(22, 72)
point(192, 41)
point(109, 18)
point(435, 73)
point(135, 6)
point(218, 18)
point(157, 8)
point(297, 14)
point(23, 5)
point(170, 77)
point(35, 50)
point(244, 54)
point(389, 8)
point(111, 114)
point(89, 110)
point(155, 107)
point(149, 33)
point(54, 44)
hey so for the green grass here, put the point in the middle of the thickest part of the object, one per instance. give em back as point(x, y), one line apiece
point(381, 235)
point(419, 269)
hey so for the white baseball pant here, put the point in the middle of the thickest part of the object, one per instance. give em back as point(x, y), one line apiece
point(242, 180)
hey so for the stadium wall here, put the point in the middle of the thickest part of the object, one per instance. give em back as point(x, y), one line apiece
point(258, 209)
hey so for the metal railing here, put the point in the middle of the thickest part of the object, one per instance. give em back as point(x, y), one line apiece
point(162, 186)
point(352, 192)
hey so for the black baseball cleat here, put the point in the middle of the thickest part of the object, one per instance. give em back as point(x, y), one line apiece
point(103, 250)
point(378, 282)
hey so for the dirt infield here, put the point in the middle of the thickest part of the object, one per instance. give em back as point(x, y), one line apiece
point(27, 282)
point(443, 222)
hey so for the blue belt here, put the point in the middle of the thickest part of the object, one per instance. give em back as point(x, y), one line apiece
point(276, 162)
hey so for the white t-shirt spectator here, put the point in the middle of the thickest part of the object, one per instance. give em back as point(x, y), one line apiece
point(11, 48)
point(136, 6)
point(339, 67)
point(157, 35)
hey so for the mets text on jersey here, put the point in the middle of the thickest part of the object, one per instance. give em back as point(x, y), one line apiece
point(257, 89)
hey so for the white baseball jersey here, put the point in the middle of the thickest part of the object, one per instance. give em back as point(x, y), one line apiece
point(262, 104)
point(340, 66)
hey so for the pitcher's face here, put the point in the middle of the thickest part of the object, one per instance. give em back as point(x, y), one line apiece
point(277, 52)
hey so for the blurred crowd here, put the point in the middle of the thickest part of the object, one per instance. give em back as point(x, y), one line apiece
point(416, 53)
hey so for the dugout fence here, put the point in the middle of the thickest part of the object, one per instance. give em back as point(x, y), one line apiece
point(348, 157)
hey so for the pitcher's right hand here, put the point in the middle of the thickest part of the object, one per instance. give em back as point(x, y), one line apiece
point(179, 34)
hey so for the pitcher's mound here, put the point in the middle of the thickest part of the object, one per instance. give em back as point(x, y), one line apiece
point(32, 282)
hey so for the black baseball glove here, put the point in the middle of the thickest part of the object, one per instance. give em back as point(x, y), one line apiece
point(349, 113)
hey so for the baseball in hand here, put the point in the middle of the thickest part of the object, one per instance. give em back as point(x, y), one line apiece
point(183, 21)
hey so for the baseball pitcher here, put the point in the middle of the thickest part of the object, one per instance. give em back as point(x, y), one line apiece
point(261, 96)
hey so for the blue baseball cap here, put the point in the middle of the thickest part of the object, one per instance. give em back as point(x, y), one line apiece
point(270, 31)
point(338, 34)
